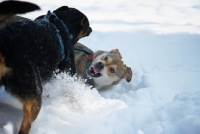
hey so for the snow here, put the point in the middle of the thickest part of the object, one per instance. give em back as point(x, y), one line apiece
point(161, 47)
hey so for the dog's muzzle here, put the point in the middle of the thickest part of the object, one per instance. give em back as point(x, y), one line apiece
point(94, 71)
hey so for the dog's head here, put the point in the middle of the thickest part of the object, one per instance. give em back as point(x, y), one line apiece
point(108, 69)
point(76, 22)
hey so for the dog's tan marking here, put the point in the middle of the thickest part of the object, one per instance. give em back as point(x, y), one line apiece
point(31, 109)
point(11, 20)
point(109, 67)
point(108, 60)
point(3, 68)
point(84, 33)
point(116, 51)
point(82, 21)
point(5, 16)
point(114, 67)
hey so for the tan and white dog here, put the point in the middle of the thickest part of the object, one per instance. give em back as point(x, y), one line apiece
point(106, 69)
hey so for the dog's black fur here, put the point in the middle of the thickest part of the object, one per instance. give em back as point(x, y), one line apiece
point(29, 53)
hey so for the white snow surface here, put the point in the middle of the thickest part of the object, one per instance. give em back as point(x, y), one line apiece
point(159, 40)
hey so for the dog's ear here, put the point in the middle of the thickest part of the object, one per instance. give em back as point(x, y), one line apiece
point(128, 74)
point(116, 51)
point(61, 9)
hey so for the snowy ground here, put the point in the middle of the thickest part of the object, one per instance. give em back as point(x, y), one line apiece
point(160, 41)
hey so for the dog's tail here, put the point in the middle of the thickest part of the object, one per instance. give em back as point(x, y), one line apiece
point(9, 8)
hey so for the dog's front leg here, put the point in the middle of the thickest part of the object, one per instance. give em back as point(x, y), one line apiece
point(31, 109)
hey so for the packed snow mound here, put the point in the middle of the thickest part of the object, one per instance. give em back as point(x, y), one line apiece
point(76, 95)
point(73, 103)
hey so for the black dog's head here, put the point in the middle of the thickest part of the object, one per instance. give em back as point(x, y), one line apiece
point(76, 22)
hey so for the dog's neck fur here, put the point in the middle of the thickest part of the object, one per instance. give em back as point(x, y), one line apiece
point(81, 60)
point(81, 65)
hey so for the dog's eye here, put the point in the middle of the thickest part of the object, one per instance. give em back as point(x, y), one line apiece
point(106, 58)
point(112, 70)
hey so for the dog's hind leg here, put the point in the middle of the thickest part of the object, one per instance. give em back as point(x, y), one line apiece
point(24, 82)
point(32, 104)
point(31, 109)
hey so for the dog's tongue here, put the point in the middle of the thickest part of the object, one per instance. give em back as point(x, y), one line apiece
point(95, 69)
point(93, 72)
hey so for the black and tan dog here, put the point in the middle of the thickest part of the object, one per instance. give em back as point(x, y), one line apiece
point(101, 69)
point(31, 50)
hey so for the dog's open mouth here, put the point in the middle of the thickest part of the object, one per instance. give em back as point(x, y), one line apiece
point(93, 72)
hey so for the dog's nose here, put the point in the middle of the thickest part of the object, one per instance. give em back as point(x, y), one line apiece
point(100, 65)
